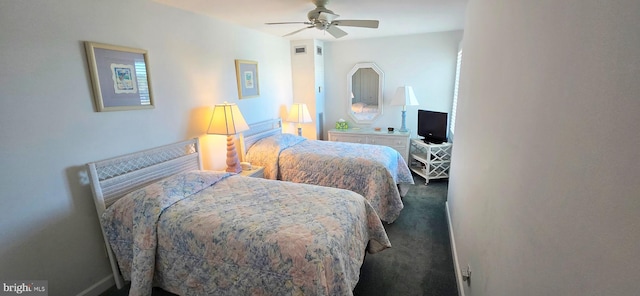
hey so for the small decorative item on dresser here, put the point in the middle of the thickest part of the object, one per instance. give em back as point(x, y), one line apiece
point(342, 124)
point(390, 129)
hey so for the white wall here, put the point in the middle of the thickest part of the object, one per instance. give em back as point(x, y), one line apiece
point(308, 77)
point(49, 129)
point(544, 191)
point(427, 62)
point(319, 90)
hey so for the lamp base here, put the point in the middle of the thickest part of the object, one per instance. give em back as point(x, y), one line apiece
point(233, 165)
point(403, 129)
point(300, 131)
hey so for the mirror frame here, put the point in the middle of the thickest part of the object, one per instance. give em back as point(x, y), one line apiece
point(355, 68)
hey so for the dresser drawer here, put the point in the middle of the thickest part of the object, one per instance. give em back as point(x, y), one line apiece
point(349, 139)
point(397, 141)
point(400, 143)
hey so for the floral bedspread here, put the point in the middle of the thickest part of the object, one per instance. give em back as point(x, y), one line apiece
point(370, 170)
point(209, 233)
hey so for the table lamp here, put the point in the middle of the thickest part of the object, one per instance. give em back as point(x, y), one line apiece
point(227, 120)
point(404, 97)
point(299, 114)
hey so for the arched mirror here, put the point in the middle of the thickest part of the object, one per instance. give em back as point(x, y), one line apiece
point(365, 83)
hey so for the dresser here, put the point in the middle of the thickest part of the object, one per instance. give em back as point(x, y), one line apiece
point(396, 140)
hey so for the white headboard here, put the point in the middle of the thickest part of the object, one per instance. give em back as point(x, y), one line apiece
point(112, 178)
point(257, 131)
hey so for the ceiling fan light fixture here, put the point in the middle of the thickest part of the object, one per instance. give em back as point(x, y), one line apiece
point(320, 13)
point(325, 20)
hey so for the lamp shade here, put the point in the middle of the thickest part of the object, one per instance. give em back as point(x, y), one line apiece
point(404, 97)
point(299, 113)
point(227, 120)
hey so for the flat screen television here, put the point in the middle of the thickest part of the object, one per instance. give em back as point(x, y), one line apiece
point(432, 126)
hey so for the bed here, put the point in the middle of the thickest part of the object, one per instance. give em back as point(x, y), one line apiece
point(378, 173)
point(169, 224)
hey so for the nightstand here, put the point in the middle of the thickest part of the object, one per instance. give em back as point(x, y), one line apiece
point(256, 172)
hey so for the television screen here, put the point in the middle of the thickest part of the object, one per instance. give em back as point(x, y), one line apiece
point(432, 126)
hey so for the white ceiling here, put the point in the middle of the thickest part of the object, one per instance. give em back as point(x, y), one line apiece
point(397, 17)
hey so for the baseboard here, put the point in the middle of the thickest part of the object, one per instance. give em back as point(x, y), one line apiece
point(99, 287)
point(454, 252)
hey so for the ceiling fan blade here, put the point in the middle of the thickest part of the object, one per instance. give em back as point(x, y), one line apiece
point(328, 17)
point(336, 32)
point(297, 31)
point(287, 23)
point(357, 23)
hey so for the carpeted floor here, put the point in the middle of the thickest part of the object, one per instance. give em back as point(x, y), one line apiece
point(420, 261)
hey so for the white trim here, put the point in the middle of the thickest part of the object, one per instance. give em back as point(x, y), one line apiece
point(99, 287)
point(456, 266)
point(456, 86)
point(113, 178)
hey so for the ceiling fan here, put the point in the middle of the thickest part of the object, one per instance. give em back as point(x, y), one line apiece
point(324, 19)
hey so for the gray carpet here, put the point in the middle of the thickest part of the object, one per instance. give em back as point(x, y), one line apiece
point(420, 261)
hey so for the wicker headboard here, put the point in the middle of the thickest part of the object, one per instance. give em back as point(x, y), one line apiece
point(112, 178)
point(258, 131)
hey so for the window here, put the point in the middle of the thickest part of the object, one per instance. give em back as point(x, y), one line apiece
point(454, 105)
point(143, 86)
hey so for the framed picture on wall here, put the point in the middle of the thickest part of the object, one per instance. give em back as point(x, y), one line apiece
point(247, 77)
point(119, 77)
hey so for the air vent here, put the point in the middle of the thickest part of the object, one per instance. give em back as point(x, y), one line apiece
point(300, 49)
